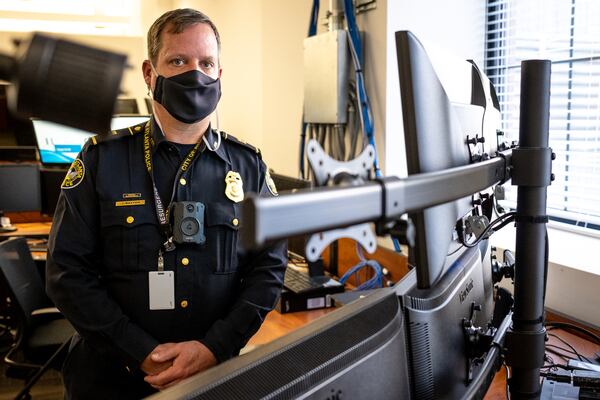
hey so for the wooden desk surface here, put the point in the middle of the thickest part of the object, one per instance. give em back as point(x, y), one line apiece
point(29, 229)
point(277, 325)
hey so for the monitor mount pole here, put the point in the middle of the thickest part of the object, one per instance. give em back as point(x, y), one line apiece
point(531, 172)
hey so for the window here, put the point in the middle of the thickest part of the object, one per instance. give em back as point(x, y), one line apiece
point(568, 33)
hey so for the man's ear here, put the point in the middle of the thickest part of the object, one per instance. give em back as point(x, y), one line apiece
point(220, 72)
point(147, 72)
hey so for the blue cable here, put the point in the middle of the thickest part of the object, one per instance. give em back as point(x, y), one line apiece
point(363, 99)
point(314, 16)
point(375, 282)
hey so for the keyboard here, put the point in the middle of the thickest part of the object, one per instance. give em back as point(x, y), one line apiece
point(300, 282)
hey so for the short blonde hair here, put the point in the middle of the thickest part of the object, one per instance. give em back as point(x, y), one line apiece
point(176, 21)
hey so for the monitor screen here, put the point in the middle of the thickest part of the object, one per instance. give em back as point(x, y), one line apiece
point(60, 144)
point(20, 187)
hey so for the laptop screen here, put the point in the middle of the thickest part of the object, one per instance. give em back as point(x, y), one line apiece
point(60, 144)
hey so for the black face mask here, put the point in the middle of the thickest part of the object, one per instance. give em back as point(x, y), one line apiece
point(189, 97)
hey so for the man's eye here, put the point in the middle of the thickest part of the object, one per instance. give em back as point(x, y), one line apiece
point(177, 62)
point(207, 64)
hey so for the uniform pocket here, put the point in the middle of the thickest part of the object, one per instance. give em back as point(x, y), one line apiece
point(222, 223)
point(128, 234)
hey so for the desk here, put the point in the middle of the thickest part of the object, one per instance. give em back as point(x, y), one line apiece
point(277, 325)
point(29, 229)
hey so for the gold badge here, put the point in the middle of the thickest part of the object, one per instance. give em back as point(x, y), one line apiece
point(271, 184)
point(234, 189)
point(74, 175)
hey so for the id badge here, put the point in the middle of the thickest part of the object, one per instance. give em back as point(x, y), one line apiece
point(161, 285)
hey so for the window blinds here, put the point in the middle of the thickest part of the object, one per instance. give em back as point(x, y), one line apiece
point(568, 33)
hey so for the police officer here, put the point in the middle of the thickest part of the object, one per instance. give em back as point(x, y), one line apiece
point(144, 256)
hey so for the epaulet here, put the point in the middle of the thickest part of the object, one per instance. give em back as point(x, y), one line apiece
point(235, 140)
point(113, 135)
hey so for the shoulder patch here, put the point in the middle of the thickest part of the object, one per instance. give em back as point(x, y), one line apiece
point(271, 184)
point(235, 140)
point(74, 175)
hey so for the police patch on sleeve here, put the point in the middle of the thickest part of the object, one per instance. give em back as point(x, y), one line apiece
point(271, 184)
point(74, 175)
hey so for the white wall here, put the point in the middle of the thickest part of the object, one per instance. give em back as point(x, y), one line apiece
point(262, 73)
point(456, 26)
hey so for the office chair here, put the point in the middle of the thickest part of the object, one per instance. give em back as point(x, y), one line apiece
point(42, 333)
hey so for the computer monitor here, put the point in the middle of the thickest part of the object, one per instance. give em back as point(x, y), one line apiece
point(20, 187)
point(60, 144)
point(356, 352)
point(435, 131)
point(126, 106)
point(285, 183)
point(449, 279)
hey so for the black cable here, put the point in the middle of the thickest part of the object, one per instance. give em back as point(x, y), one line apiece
point(455, 251)
point(568, 326)
point(568, 352)
point(501, 222)
point(550, 350)
point(506, 381)
point(580, 356)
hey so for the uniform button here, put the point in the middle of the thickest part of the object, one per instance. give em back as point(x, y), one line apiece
point(130, 219)
point(182, 181)
point(183, 304)
point(185, 261)
point(235, 222)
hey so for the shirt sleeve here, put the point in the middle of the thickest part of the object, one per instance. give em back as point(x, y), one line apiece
point(262, 281)
point(73, 270)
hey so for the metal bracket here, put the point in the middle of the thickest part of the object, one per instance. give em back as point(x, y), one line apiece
point(325, 167)
point(532, 166)
point(360, 233)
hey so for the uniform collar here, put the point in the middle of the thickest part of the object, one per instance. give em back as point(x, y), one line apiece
point(211, 137)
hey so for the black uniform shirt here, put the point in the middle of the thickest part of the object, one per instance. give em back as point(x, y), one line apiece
point(105, 239)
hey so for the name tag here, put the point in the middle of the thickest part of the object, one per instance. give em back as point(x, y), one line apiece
point(161, 285)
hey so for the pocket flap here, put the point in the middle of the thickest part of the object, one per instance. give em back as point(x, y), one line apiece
point(223, 214)
point(130, 216)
